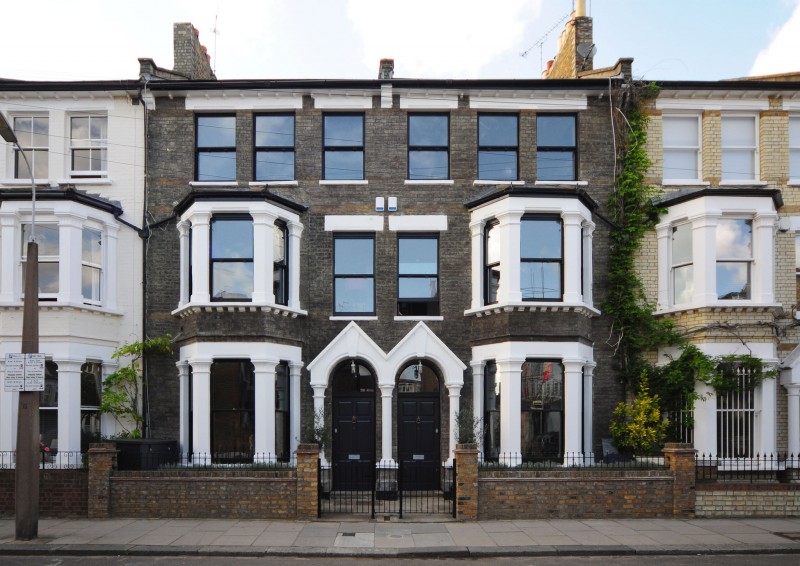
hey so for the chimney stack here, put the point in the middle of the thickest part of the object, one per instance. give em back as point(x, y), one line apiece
point(190, 56)
point(386, 70)
point(575, 45)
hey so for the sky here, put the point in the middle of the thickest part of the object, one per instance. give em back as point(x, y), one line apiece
point(63, 40)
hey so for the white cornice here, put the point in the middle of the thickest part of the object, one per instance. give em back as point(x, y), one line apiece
point(244, 100)
point(528, 101)
point(361, 100)
point(691, 103)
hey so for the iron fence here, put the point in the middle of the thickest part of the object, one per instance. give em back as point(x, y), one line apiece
point(573, 460)
point(48, 460)
point(783, 468)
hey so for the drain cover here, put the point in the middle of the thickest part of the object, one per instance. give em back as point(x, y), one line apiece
point(348, 534)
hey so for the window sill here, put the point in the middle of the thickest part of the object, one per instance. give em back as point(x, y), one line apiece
point(743, 183)
point(23, 182)
point(415, 318)
point(561, 183)
point(429, 182)
point(533, 306)
point(85, 181)
point(189, 309)
point(273, 183)
point(343, 182)
point(213, 184)
point(341, 317)
point(477, 182)
point(45, 306)
point(684, 183)
point(726, 306)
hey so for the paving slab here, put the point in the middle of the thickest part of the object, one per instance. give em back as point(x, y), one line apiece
point(422, 540)
point(394, 540)
point(514, 538)
point(276, 538)
point(355, 540)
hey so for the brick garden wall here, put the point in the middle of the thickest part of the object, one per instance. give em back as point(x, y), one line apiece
point(747, 500)
point(62, 493)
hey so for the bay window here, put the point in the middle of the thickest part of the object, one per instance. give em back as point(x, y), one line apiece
point(280, 262)
point(541, 258)
point(734, 242)
point(91, 388)
point(91, 265)
point(794, 148)
point(491, 269)
point(542, 410)
point(47, 239)
point(682, 264)
point(231, 259)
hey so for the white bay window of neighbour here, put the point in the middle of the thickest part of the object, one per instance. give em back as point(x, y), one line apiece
point(682, 264)
point(734, 239)
point(47, 239)
point(231, 259)
point(91, 268)
point(32, 134)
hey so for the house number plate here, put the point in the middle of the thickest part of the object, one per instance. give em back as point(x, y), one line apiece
point(419, 456)
point(354, 456)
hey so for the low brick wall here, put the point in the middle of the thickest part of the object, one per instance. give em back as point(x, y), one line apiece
point(747, 500)
point(62, 493)
point(219, 495)
point(581, 494)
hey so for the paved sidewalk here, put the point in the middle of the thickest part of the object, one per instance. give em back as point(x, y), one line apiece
point(404, 539)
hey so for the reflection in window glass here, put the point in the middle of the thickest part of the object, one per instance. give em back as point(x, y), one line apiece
point(541, 258)
point(91, 266)
point(682, 264)
point(734, 239)
point(233, 394)
point(418, 377)
point(343, 142)
point(216, 148)
point(91, 378)
point(491, 416)
point(428, 153)
point(418, 276)
point(274, 143)
point(555, 147)
point(32, 136)
point(280, 269)
point(497, 147)
point(282, 420)
point(48, 408)
point(542, 410)
point(491, 264)
point(47, 239)
point(231, 259)
point(354, 274)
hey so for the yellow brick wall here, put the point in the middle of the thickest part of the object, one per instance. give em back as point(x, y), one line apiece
point(655, 138)
point(646, 265)
point(773, 140)
point(712, 147)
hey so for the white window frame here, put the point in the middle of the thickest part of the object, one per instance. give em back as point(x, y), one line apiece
point(753, 149)
point(698, 149)
point(673, 264)
point(43, 152)
point(87, 144)
point(748, 260)
point(91, 265)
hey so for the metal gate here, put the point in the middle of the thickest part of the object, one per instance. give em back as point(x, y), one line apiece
point(384, 491)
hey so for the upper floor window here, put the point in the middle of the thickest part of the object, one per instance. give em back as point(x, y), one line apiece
point(681, 147)
point(555, 147)
point(541, 258)
point(417, 275)
point(274, 147)
point(734, 258)
point(343, 141)
point(88, 145)
point(428, 146)
point(794, 147)
point(47, 239)
point(491, 262)
point(280, 262)
point(216, 148)
point(682, 264)
point(354, 274)
point(739, 143)
point(231, 261)
point(498, 144)
point(32, 134)
point(91, 265)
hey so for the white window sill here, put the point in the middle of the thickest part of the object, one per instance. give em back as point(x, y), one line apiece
point(718, 306)
point(532, 306)
point(237, 306)
point(85, 181)
point(352, 318)
point(213, 184)
point(416, 318)
point(684, 183)
point(488, 182)
point(273, 183)
point(562, 183)
point(56, 305)
point(343, 182)
point(428, 182)
point(23, 182)
point(743, 183)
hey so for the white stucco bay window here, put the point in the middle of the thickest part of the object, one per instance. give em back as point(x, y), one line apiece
point(716, 248)
point(239, 254)
point(531, 249)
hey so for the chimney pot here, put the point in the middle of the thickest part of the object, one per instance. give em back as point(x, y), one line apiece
point(386, 70)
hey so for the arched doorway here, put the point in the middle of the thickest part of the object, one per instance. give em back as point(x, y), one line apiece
point(353, 421)
point(419, 425)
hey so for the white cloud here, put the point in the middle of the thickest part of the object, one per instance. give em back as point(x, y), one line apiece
point(439, 38)
point(780, 56)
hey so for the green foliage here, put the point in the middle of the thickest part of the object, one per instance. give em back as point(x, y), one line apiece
point(467, 426)
point(725, 378)
point(315, 431)
point(637, 427)
point(121, 389)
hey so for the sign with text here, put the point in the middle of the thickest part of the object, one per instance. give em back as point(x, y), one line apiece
point(24, 372)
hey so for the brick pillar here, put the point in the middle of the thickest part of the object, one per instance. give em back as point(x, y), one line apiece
point(102, 461)
point(466, 456)
point(680, 458)
point(307, 481)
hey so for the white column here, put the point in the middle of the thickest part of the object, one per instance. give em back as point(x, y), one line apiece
point(509, 372)
point(201, 240)
point(454, 391)
point(386, 424)
point(295, 231)
point(704, 256)
point(319, 408)
point(109, 273)
point(183, 406)
point(764, 257)
point(588, 440)
point(793, 406)
point(70, 252)
point(10, 249)
point(184, 229)
point(294, 404)
point(664, 262)
point(573, 409)
point(69, 405)
point(509, 232)
point(263, 257)
point(265, 409)
point(588, 272)
point(201, 411)
point(766, 397)
point(476, 264)
point(571, 257)
point(477, 400)
point(705, 420)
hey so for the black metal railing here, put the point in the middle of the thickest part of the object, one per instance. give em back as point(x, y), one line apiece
point(573, 460)
point(781, 468)
point(48, 459)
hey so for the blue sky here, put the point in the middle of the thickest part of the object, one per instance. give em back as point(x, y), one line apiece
point(669, 39)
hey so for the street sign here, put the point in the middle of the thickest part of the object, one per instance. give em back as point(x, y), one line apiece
point(24, 372)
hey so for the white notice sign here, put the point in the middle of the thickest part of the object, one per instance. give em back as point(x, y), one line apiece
point(34, 372)
point(24, 372)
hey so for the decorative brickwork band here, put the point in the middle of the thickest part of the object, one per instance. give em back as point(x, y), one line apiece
point(680, 459)
point(307, 482)
point(102, 462)
point(466, 456)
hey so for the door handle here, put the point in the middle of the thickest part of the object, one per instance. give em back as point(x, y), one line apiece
point(354, 419)
point(417, 419)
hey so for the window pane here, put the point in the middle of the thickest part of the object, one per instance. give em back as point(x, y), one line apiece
point(733, 280)
point(40, 132)
point(344, 131)
point(734, 239)
point(355, 294)
point(79, 128)
point(493, 285)
point(98, 127)
point(497, 165)
point(279, 244)
point(794, 164)
point(738, 164)
point(497, 130)
point(680, 164)
point(23, 129)
point(542, 406)
point(418, 256)
point(216, 131)
point(558, 131)
point(48, 277)
point(738, 131)
point(680, 131)
point(555, 166)
point(232, 280)
point(682, 284)
point(46, 239)
point(232, 386)
point(344, 165)
point(491, 417)
point(90, 283)
point(92, 240)
point(427, 131)
point(275, 131)
point(540, 239)
point(682, 244)
point(417, 288)
point(49, 397)
point(353, 256)
point(492, 245)
point(427, 165)
point(274, 165)
point(90, 384)
point(231, 239)
point(540, 280)
point(216, 166)
point(794, 132)
point(36, 158)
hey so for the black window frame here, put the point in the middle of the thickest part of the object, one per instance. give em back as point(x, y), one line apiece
point(198, 149)
point(545, 439)
point(432, 304)
point(212, 260)
point(491, 148)
point(488, 267)
point(549, 218)
point(540, 149)
point(274, 148)
point(246, 408)
point(351, 148)
point(282, 268)
point(428, 148)
point(354, 236)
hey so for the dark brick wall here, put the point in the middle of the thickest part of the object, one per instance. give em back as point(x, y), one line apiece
point(62, 493)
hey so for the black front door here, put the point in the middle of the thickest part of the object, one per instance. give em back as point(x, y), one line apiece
point(353, 442)
point(418, 446)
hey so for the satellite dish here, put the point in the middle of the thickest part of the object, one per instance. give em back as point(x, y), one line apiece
point(586, 50)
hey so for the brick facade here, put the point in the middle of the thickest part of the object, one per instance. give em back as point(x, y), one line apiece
point(62, 493)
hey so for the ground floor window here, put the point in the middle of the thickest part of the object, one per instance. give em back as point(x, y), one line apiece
point(91, 381)
point(736, 419)
point(542, 410)
point(491, 416)
point(232, 410)
point(282, 420)
point(48, 409)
